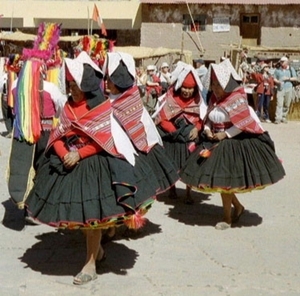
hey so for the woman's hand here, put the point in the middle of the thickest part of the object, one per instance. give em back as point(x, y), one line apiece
point(209, 134)
point(193, 134)
point(71, 159)
point(219, 136)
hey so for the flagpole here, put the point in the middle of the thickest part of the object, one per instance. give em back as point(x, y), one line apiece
point(11, 20)
point(92, 21)
point(200, 44)
point(88, 21)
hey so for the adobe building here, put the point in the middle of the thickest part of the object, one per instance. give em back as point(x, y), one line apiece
point(210, 29)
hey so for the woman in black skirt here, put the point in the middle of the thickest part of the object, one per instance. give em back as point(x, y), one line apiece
point(104, 164)
point(179, 117)
point(235, 155)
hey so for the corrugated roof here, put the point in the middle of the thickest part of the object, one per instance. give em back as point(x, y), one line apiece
point(241, 2)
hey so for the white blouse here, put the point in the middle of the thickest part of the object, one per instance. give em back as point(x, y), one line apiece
point(219, 115)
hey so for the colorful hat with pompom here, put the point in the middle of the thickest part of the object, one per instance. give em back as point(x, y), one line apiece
point(45, 43)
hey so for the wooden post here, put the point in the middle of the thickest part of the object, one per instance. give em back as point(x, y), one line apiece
point(182, 44)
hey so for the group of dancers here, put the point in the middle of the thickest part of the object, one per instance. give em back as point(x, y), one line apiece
point(106, 159)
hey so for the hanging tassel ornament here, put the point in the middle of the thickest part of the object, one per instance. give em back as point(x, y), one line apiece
point(205, 152)
point(135, 221)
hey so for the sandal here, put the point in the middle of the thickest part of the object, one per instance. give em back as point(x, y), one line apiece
point(83, 278)
point(222, 226)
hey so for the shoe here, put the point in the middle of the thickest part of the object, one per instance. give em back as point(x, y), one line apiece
point(277, 122)
point(222, 226)
point(284, 120)
point(268, 121)
point(83, 278)
point(29, 220)
point(236, 217)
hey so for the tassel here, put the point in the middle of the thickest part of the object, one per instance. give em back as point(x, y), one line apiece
point(205, 153)
point(135, 221)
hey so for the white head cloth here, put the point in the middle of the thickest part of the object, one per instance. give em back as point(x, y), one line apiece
point(75, 66)
point(177, 77)
point(113, 59)
point(181, 71)
point(223, 71)
point(121, 140)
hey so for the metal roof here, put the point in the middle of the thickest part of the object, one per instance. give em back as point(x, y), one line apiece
point(241, 2)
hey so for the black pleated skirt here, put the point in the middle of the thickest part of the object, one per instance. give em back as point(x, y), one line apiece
point(176, 150)
point(239, 164)
point(101, 191)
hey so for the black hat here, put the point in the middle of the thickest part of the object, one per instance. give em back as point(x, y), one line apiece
point(121, 78)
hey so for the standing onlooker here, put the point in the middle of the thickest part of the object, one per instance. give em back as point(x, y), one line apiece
point(153, 82)
point(283, 77)
point(264, 90)
point(153, 89)
point(165, 77)
point(244, 67)
point(6, 110)
point(12, 67)
point(201, 70)
point(141, 78)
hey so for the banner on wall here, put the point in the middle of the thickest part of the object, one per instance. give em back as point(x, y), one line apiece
point(221, 24)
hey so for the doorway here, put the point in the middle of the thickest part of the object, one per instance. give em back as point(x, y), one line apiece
point(250, 28)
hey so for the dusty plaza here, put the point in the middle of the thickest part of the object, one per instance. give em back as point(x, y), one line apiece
point(178, 252)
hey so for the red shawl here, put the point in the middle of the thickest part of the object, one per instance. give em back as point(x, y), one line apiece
point(172, 109)
point(94, 123)
point(128, 110)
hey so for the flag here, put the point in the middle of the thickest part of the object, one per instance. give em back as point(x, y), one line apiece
point(97, 18)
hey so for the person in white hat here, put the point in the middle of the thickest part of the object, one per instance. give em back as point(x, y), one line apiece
point(283, 77)
point(153, 89)
point(235, 154)
point(165, 77)
point(264, 90)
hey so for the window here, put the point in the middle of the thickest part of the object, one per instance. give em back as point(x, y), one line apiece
point(250, 19)
point(198, 24)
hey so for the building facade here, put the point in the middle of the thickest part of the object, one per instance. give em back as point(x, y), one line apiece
point(210, 28)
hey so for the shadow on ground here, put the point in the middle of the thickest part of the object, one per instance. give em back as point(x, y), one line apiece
point(13, 217)
point(63, 252)
point(201, 213)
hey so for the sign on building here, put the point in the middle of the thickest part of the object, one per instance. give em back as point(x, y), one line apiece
point(221, 24)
